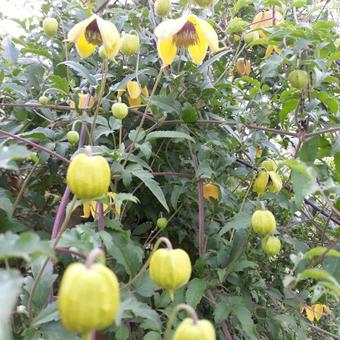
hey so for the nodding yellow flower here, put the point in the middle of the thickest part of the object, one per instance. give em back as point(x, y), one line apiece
point(188, 32)
point(211, 190)
point(266, 19)
point(243, 67)
point(134, 91)
point(90, 208)
point(92, 32)
point(315, 312)
point(81, 103)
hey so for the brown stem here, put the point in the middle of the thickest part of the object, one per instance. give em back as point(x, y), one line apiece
point(92, 257)
point(69, 251)
point(34, 145)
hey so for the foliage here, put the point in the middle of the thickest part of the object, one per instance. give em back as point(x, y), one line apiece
point(197, 124)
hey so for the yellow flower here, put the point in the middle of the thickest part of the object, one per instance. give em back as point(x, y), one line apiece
point(266, 19)
point(243, 67)
point(90, 208)
point(134, 91)
point(81, 103)
point(92, 32)
point(185, 32)
point(211, 190)
point(315, 312)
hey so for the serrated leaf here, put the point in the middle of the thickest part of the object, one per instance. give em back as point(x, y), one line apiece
point(48, 314)
point(195, 291)
point(81, 70)
point(147, 178)
point(59, 83)
point(166, 103)
point(239, 221)
point(169, 134)
point(26, 245)
point(138, 309)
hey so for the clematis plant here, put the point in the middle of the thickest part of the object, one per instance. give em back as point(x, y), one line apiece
point(188, 32)
point(93, 32)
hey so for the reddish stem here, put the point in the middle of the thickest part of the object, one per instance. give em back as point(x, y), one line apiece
point(69, 251)
point(101, 224)
point(201, 217)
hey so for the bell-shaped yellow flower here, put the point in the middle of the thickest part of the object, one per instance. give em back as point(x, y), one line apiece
point(134, 91)
point(315, 312)
point(82, 100)
point(92, 32)
point(188, 32)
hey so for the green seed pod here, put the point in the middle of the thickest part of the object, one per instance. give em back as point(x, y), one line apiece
point(298, 79)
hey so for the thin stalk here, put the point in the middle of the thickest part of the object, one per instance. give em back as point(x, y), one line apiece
point(54, 245)
point(173, 315)
point(148, 105)
point(23, 187)
point(143, 269)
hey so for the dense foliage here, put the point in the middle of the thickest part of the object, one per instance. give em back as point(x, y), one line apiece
point(186, 164)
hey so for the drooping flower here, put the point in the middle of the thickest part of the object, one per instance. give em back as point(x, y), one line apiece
point(315, 312)
point(82, 101)
point(90, 208)
point(243, 67)
point(211, 190)
point(135, 92)
point(188, 32)
point(92, 32)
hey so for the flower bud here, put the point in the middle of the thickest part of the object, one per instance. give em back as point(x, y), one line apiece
point(189, 330)
point(260, 182)
point(263, 222)
point(129, 44)
point(162, 7)
point(43, 100)
point(119, 110)
point(271, 245)
point(50, 27)
point(269, 165)
point(249, 37)
point(72, 137)
point(243, 67)
point(170, 269)
point(204, 3)
point(162, 222)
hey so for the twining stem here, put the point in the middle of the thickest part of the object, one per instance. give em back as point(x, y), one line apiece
point(23, 187)
point(100, 95)
point(146, 264)
point(148, 105)
point(54, 245)
point(173, 315)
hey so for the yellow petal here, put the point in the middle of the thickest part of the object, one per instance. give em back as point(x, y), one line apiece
point(168, 28)
point(82, 101)
point(276, 182)
point(167, 50)
point(210, 35)
point(84, 49)
point(199, 50)
point(135, 102)
point(109, 34)
point(86, 210)
point(145, 91)
point(111, 194)
point(210, 190)
point(111, 53)
point(134, 89)
point(79, 29)
point(269, 51)
point(318, 311)
point(309, 313)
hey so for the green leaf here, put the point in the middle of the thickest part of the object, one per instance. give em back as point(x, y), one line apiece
point(59, 83)
point(81, 70)
point(10, 52)
point(166, 103)
point(169, 134)
point(147, 178)
point(319, 251)
point(131, 307)
point(8, 154)
point(239, 221)
point(309, 150)
point(195, 291)
point(240, 4)
point(244, 317)
point(26, 245)
point(303, 186)
point(50, 313)
point(10, 287)
point(125, 251)
point(287, 107)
